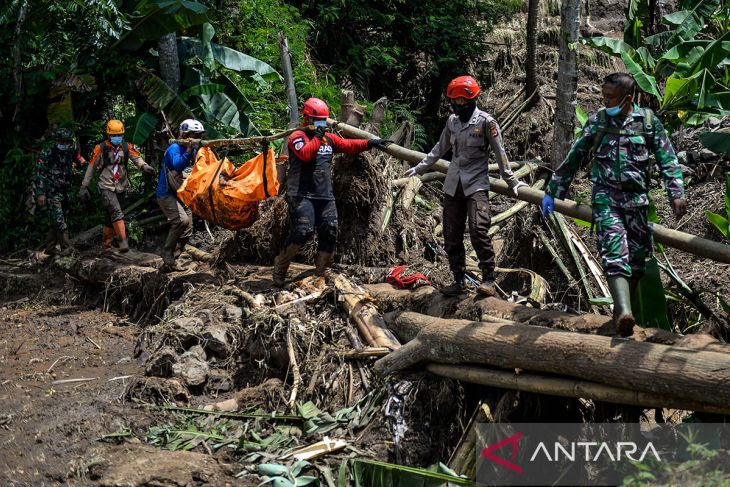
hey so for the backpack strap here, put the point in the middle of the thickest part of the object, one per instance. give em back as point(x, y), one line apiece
point(602, 128)
point(104, 156)
point(125, 150)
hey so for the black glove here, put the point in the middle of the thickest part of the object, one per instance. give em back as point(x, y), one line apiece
point(379, 143)
point(319, 131)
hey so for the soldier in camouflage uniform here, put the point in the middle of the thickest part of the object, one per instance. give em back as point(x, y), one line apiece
point(55, 169)
point(620, 140)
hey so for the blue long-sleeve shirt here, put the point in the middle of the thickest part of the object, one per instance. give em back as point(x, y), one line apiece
point(177, 158)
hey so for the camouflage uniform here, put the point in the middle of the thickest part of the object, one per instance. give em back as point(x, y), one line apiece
point(621, 179)
point(55, 169)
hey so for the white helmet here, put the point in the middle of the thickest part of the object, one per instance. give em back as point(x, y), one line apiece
point(191, 125)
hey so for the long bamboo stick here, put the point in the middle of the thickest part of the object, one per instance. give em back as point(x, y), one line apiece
point(679, 240)
point(565, 387)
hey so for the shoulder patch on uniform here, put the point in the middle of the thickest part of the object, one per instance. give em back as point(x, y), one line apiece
point(493, 129)
point(298, 143)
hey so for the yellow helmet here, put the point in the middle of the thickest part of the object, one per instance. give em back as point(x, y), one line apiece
point(114, 127)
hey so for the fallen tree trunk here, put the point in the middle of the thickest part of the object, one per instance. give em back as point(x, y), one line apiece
point(559, 386)
point(683, 241)
point(647, 367)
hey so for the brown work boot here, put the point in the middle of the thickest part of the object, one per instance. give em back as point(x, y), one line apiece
point(322, 261)
point(121, 232)
point(487, 287)
point(281, 264)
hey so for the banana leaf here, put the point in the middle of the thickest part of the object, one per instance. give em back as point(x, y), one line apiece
point(648, 302)
point(228, 58)
point(717, 142)
point(141, 126)
point(162, 97)
point(155, 18)
point(693, 22)
point(369, 473)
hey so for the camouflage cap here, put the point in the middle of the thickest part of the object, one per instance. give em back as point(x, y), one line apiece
point(63, 133)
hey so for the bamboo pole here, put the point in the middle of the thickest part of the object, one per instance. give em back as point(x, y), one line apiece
point(560, 386)
point(679, 240)
point(260, 139)
point(365, 315)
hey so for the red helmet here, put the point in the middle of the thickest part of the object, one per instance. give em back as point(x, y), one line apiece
point(463, 86)
point(315, 108)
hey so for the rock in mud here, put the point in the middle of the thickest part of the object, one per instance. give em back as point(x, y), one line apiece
point(161, 362)
point(216, 340)
point(157, 390)
point(192, 370)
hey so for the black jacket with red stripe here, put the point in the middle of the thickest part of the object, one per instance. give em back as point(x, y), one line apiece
point(310, 162)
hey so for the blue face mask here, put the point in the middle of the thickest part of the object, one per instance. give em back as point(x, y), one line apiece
point(613, 111)
point(116, 139)
point(63, 147)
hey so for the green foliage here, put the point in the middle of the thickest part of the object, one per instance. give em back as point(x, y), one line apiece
point(689, 59)
point(717, 142)
point(404, 50)
point(722, 223)
point(372, 473)
point(649, 303)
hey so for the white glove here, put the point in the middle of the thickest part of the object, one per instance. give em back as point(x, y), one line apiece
point(519, 184)
point(410, 172)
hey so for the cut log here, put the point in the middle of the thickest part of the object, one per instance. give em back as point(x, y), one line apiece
point(347, 101)
point(360, 308)
point(683, 241)
point(559, 386)
point(647, 367)
point(376, 119)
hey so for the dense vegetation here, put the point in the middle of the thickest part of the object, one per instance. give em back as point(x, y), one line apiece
point(78, 63)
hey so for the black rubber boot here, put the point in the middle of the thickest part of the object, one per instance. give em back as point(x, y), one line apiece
point(623, 317)
point(457, 287)
point(168, 250)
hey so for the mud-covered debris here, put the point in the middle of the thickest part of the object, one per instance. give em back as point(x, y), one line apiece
point(216, 340)
point(219, 381)
point(199, 351)
point(233, 314)
point(157, 390)
point(191, 369)
point(160, 363)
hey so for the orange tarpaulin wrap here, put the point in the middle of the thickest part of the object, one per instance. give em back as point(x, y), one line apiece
point(218, 192)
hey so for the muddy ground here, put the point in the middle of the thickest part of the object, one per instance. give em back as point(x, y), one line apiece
point(112, 429)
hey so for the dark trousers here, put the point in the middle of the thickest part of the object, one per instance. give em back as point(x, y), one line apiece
point(308, 215)
point(456, 210)
point(112, 203)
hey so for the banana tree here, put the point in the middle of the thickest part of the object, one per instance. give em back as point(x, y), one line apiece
point(688, 62)
point(210, 90)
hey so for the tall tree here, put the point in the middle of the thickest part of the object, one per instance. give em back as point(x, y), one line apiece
point(565, 92)
point(531, 64)
point(169, 60)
